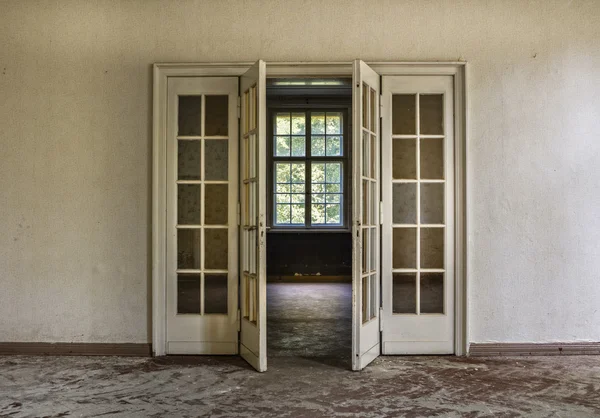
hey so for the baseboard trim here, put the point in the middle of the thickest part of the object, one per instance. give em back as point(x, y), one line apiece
point(75, 349)
point(534, 349)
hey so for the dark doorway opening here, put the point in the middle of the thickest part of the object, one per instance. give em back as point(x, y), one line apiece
point(309, 266)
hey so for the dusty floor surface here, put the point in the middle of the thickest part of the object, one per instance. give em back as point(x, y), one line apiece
point(309, 320)
point(309, 337)
point(299, 387)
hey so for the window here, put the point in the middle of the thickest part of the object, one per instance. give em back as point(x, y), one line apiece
point(308, 168)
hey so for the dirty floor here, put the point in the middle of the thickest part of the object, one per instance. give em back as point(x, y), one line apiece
point(308, 376)
point(310, 320)
point(299, 387)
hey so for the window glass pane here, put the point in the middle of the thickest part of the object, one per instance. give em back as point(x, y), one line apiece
point(432, 248)
point(215, 294)
point(318, 198)
point(333, 172)
point(333, 123)
point(216, 116)
point(334, 146)
point(333, 188)
point(217, 159)
point(284, 214)
point(431, 108)
point(298, 124)
point(432, 203)
point(282, 124)
point(365, 106)
point(372, 108)
point(318, 173)
point(282, 172)
point(333, 213)
point(366, 149)
point(282, 146)
point(215, 248)
point(188, 249)
point(188, 160)
point(188, 204)
point(404, 248)
point(333, 198)
point(190, 115)
point(432, 158)
point(404, 203)
point(404, 114)
point(216, 204)
point(283, 188)
point(365, 299)
point(318, 188)
point(298, 214)
point(283, 198)
point(404, 159)
point(298, 146)
point(365, 201)
point(318, 214)
point(317, 123)
point(188, 293)
point(404, 293)
point(298, 173)
point(297, 197)
point(318, 146)
point(432, 293)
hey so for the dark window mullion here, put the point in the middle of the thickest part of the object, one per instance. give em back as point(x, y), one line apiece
point(325, 179)
point(308, 177)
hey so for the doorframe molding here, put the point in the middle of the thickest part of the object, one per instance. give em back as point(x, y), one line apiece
point(161, 73)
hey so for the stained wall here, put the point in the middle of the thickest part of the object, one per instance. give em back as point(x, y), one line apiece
point(75, 154)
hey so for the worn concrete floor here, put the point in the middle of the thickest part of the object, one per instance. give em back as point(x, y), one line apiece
point(308, 376)
point(310, 320)
point(299, 387)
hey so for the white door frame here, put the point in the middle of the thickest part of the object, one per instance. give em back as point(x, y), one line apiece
point(162, 72)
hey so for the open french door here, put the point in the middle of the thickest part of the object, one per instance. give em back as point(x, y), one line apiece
point(365, 210)
point(253, 330)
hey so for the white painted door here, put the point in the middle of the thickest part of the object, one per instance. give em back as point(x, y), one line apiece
point(418, 215)
point(253, 347)
point(202, 238)
point(365, 210)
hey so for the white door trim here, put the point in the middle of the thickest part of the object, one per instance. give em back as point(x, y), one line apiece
point(162, 71)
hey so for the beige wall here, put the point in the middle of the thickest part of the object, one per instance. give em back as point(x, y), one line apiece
point(75, 136)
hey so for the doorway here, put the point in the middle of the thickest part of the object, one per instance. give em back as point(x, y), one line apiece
point(309, 240)
point(395, 286)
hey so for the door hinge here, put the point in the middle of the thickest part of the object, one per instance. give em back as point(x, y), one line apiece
point(239, 213)
point(239, 107)
point(380, 107)
point(381, 319)
point(239, 320)
point(380, 212)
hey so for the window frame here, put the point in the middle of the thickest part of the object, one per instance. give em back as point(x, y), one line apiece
point(344, 159)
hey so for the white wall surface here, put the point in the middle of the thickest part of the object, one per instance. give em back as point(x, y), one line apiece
point(75, 147)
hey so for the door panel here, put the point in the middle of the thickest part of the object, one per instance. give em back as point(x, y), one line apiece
point(418, 215)
point(253, 337)
point(202, 238)
point(365, 209)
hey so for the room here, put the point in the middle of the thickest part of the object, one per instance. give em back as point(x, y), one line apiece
point(446, 223)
